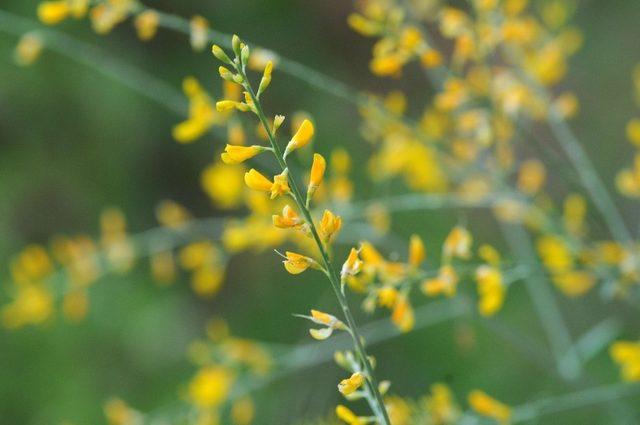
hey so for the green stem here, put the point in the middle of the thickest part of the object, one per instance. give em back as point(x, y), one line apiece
point(331, 273)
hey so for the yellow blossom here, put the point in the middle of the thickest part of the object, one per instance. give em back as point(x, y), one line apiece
point(266, 78)
point(441, 405)
point(574, 282)
point(489, 407)
point(445, 283)
point(224, 184)
point(317, 173)
point(417, 251)
point(457, 244)
point(531, 177)
point(28, 49)
point(257, 181)
point(330, 225)
point(491, 290)
point(402, 315)
point(199, 33)
point(288, 219)
point(633, 131)
point(53, 12)
point(627, 355)
point(351, 384)
point(146, 24)
point(348, 416)
point(210, 386)
point(353, 264)
point(555, 253)
point(297, 263)
point(237, 154)
point(301, 137)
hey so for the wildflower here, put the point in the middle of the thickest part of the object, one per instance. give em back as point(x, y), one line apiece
point(28, 49)
point(574, 282)
point(297, 263)
point(330, 322)
point(352, 266)
point(202, 115)
point(207, 280)
point(489, 407)
point(330, 225)
point(349, 417)
point(33, 304)
point(237, 154)
point(490, 289)
point(243, 411)
point(199, 35)
point(575, 209)
point(531, 177)
point(441, 405)
point(627, 355)
point(288, 219)
point(210, 386)
point(489, 254)
point(172, 214)
point(417, 252)
point(431, 59)
point(350, 385)
point(146, 24)
point(457, 243)
point(317, 173)
point(633, 131)
point(555, 253)
point(226, 105)
point(445, 283)
point(301, 137)
point(257, 181)
point(105, 16)
point(402, 315)
point(224, 184)
point(53, 12)
point(387, 296)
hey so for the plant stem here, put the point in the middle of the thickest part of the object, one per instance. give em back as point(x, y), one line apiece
point(331, 273)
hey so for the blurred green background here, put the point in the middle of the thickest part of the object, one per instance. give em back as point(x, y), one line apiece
point(73, 142)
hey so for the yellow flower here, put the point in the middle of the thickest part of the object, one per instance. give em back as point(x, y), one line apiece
point(574, 282)
point(489, 407)
point(627, 355)
point(490, 289)
point(633, 131)
point(288, 219)
point(402, 315)
point(146, 24)
point(348, 416)
point(351, 384)
point(329, 226)
point(555, 253)
point(223, 184)
point(330, 322)
point(199, 32)
point(257, 181)
point(210, 386)
point(417, 252)
point(457, 244)
point(301, 138)
point(297, 263)
point(237, 154)
point(280, 184)
point(317, 173)
point(441, 405)
point(227, 105)
point(387, 296)
point(28, 49)
point(202, 115)
point(53, 12)
point(352, 266)
point(531, 177)
point(445, 283)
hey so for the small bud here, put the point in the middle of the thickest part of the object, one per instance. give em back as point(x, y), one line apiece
point(277, 122)
point(244, 55)
point(220, 54)
point(225, 73)
point(235, 44)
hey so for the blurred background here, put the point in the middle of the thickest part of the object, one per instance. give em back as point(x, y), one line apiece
point(74, 141)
